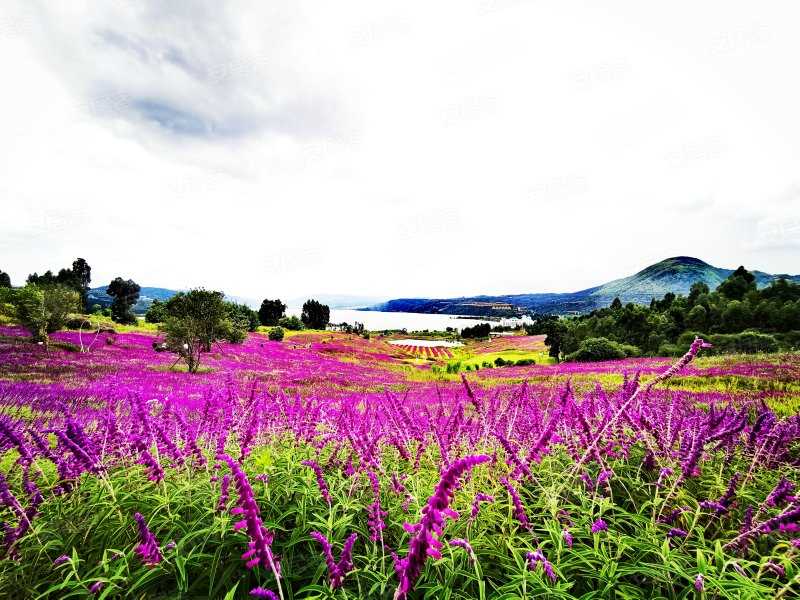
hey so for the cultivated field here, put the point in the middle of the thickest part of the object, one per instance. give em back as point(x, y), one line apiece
point(332, 466)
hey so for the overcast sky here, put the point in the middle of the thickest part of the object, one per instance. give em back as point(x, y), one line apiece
point(397, 148)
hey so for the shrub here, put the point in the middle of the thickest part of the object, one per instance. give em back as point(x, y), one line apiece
point(478, 331)
point(499, 361)
point(45, 309)
point(671, 350)
point(454, 366)
point(789, 340)
point(276, 334)
point(594, 349)
point(524, 362)
point(747, 342)
point(242, 316)
point(630, 350)
point(77, 323)
point(291, 323)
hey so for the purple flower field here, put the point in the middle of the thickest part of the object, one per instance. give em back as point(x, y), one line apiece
point(329, 466)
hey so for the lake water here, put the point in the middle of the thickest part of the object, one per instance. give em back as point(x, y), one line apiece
point(426, 343)
point(377, 321)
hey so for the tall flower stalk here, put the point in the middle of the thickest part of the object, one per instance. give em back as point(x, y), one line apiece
point(425, 542)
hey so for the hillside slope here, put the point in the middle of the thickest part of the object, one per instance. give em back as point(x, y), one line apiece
point(676, 275)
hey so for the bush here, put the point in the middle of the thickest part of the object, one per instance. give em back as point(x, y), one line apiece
point(524, 362)
point(454, 367)
point(291, 323)
point(747, 342)
point(478, 331)
point(671, 350)
point(44, 309)
point(687, 337)
point(499, 361)
point(78, 323)
point(630, 350)
point(276, 334)
point(242, 316)
point(595, 349)
point(789, 340)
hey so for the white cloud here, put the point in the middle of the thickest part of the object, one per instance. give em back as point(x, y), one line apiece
point(417, 149)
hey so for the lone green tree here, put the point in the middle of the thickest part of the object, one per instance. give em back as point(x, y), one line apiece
point(315, 315)
point(43, 310)
point(194, 321)
point(556, 332)
point(5, 280)
point(125, 293)
point(271, 311)
point(81, 278)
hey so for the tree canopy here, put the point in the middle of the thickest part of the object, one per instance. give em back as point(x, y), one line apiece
point(315, 315)
point(271, 312)
point(44, 309)
point(125, 293)
point(77, 278)
point(195, 320)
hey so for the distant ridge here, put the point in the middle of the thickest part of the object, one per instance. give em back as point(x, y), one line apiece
point(146, 296)
point(676, 275)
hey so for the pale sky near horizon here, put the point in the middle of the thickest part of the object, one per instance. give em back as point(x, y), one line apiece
point(397, 149)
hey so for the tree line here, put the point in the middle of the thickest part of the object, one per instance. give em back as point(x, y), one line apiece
point(192, 322)
point(736, 317)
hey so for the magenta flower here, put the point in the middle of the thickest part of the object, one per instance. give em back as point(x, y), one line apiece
point(147, 549)
point(375, 514)
point(698, 583)
point(466, 546)
point(519, 509)
point(336, 570)
point(223, 493)
point(260, 592)
point(781, 493)
point(567, 538)
point(537, 558)
point(675, 532)
point(323, 486)
point(259, 550)
point(479, 497)
point(599, 526)
point(60, 560)
point(96, 587)
point(424, 542)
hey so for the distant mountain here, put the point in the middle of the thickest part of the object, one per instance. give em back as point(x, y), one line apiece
point(338, 300)
point(146, 296)
point(674, 275)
